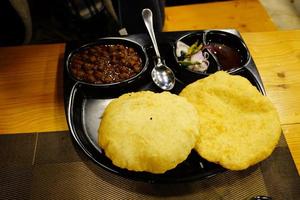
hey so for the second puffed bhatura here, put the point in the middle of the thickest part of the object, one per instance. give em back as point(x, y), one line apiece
point(146, 131)
point(239, 127)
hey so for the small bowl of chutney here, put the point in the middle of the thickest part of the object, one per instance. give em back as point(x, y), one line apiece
point(230, 51)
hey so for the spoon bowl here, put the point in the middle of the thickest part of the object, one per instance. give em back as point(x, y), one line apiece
point(162, 75)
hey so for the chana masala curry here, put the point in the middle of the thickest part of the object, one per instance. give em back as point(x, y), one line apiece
point(105, 64)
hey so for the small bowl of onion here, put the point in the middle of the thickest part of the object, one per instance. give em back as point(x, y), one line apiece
point(194, 61)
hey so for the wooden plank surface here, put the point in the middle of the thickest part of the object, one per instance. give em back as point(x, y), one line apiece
point(31, 97)
point(244, 15)
point(31, 89)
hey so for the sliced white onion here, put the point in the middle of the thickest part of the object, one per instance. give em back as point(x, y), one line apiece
point(181, 48)
point(199, 67)
point(197, 57)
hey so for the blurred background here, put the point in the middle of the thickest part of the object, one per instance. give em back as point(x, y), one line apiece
point(52, 21)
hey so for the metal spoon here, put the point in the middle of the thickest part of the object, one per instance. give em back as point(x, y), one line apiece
point(162, 75)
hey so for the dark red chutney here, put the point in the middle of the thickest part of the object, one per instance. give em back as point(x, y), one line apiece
point(228, 57)
point(105, 64)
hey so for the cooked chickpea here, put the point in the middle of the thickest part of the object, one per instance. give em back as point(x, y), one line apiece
point(106, 64)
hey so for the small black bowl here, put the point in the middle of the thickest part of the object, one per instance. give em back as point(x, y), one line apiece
point(185, 73)
point(240, 55)
point(111, 41)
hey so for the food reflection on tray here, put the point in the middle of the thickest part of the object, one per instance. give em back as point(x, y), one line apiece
point(221, 117)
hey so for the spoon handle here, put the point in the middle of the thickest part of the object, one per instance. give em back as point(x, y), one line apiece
point(148, 20)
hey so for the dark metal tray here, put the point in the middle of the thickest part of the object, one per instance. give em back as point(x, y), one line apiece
point(85, 103)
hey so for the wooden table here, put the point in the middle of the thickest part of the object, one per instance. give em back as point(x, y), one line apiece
point(244, 15)
point(31, 86)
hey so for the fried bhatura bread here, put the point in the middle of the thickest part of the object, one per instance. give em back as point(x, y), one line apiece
point(239, 126)
point(146, 131)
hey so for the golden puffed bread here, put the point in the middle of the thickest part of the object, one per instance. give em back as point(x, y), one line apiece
point(148, 131)
point(239, 126)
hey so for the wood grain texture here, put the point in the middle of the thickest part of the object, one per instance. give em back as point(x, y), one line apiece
point(31, 89)
point(243, 15)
